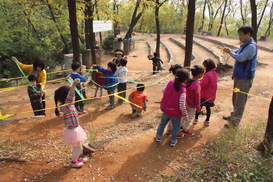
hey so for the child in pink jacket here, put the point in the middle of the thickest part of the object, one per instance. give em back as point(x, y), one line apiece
point(208, 89)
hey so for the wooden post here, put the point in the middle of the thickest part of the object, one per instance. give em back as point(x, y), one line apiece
point(267, 144)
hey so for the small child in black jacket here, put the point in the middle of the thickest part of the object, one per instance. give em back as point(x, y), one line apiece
point(35, 96)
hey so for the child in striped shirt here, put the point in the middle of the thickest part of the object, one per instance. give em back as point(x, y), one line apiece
point(74, 135)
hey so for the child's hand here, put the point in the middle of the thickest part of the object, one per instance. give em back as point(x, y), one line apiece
point(76, 81)
point(14, 59)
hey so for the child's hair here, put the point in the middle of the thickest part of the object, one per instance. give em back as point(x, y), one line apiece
point(196, 70)
point(123, 62)
point(113, 66)
point(140, 87)
point(38, 63)
point(155, 54)
point(31, 78)
point(75, 65)
point(209, 64)
point(181, 76)
point(173, 68)
point(60, 96)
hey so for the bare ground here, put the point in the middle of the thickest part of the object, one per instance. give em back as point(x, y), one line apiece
point(32, 148)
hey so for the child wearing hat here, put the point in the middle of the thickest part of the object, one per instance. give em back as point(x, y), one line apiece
point(110, 81)
point(119, 55)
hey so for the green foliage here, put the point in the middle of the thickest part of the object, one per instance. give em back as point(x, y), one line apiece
point(107, 43)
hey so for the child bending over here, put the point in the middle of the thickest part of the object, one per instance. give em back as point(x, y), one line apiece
point(138, 100)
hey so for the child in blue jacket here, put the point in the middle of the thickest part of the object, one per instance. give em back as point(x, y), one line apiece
point(110, 81)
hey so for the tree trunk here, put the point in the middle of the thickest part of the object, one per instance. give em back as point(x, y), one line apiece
point(254, 18)
point(189, 33)
point(262, 15)
point(134, 20)
point(267, 33)
point(267, 144)
point(222, 19)
point(89, 34)
point(242, 13)
point(74, 29)
point(204, 10)
point(66, 50)
point(157, 49)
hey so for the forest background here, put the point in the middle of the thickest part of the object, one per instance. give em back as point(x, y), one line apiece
point(40, 28)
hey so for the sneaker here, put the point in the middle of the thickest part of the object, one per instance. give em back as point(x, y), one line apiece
point(76, 164)
point(173, 144)
point(134, 114)
point(207, 123)
point(95, 96)
point(190, 133)
point(83, 160)
point(180, 135)
point(195, 121)
point(82, 112)
point(110, 107)
point(157, 139)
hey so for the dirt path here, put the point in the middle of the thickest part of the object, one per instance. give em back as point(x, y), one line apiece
point(32, 149)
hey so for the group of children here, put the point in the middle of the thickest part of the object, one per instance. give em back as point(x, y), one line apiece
point(64, 97)
point(184, 97)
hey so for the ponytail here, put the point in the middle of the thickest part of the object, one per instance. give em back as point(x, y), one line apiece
point(60, 96)
point(181, 76)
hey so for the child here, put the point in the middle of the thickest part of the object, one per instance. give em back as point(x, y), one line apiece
point(75, 74)
point(121, 74)
point(193, 97)
point(173, 105)
point(99, 83)
point(110, 81)
point(118, 57)
point(208, 89)
point(35, 96)
point(140, 99)
point(175, 67)
point(73, 134)
point(156, 63)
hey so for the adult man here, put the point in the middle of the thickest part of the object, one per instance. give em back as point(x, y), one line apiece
point(243, 73)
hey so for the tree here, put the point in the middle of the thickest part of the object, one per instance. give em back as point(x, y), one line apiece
point(134, 20)
point(212, 14)
point(203, 16)
point(267, 32)
point(158, 4)
point(222, 19)
point(267, 144)
point(89, 34)
point(254, 18)
point(189, 33)
point(242, 13)
point(74, 30)
point(66, 49)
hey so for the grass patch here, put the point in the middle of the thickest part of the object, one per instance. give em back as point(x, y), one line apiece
point(232, 157)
